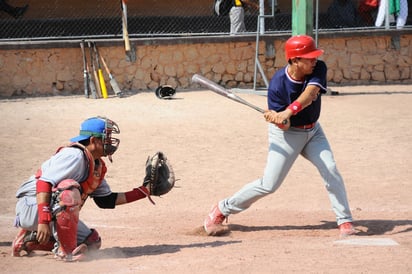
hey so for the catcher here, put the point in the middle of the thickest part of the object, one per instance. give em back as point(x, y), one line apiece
point(48, 206)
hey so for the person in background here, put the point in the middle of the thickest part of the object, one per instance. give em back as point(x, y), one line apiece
point(237, 15)
point(343, 13)
point(16, 12)
point(367, 10)
point(402, 15)
point(398, 13)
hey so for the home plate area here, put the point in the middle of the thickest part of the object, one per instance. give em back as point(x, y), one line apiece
point(368, 241)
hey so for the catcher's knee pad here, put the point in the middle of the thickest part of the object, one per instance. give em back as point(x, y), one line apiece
point(67, 217)
point(93, 241)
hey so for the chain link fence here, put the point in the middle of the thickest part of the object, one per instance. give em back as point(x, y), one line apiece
point(64, 19)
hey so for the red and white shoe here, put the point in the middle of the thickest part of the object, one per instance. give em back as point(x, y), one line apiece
point(26, 241)
point(78, 254)
point(18, 243)
point(213, 222)
point(346, 229)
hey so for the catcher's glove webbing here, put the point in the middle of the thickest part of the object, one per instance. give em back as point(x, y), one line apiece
point(160, 177)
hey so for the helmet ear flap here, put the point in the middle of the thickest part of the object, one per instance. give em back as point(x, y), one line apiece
point(165, 92)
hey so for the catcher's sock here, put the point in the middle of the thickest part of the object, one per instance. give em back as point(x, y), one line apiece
point(31, 243)
point(26, 241)
point(346, 229)
point(213, 222)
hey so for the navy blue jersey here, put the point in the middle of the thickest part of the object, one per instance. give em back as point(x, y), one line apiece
point(283, 91)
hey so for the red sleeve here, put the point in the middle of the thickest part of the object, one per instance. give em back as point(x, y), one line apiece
point(43, 186)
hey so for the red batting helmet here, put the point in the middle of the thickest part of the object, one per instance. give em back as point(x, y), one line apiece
point(302, 46)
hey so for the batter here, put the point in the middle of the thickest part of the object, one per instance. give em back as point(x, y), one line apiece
point(294, 95)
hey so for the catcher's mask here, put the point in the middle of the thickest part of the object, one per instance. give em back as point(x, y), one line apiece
point(165, 92)
point(103, 128)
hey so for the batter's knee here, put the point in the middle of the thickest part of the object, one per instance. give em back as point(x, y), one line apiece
point(268, 186)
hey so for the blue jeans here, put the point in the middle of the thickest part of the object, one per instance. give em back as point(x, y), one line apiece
point(284, 148)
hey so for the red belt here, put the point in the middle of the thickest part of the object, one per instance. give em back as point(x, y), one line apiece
point(308, 126)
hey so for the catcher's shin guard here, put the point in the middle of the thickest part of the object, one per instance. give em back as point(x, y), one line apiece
point(67, 217)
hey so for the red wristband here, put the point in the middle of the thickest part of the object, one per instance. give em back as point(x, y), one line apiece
point(295, 107)
point(136, 194)
point(44, 215)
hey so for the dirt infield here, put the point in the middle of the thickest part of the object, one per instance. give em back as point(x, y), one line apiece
point(216, 146)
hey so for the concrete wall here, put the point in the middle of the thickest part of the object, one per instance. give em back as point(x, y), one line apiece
point(47, 68)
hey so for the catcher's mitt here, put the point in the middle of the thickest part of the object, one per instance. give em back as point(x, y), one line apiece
point(160, 177)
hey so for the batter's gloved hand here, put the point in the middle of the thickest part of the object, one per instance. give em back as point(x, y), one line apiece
point(160, 177)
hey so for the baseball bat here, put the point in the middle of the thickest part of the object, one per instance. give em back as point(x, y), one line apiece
point(113, 82)
point(196, 78)
point(92, 86)
point(95, 75)
point(124, 26)
point(85, 72)
point(100, 73)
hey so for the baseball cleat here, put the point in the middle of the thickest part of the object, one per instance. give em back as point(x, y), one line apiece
point(18, 243)
point(26, 241)
point(213, 222)
point(346, 229)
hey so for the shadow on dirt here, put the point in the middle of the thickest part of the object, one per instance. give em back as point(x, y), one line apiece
point(364, 227)
point(148, 250)
point(381, 227)
point(372, 93)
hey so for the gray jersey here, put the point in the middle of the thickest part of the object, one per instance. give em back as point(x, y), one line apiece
point(68, 163)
